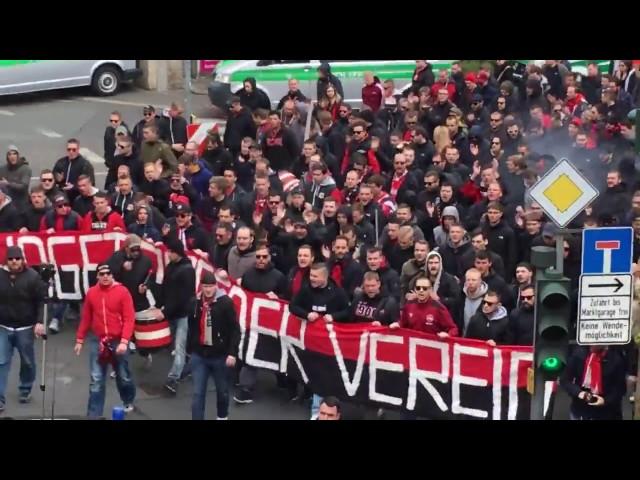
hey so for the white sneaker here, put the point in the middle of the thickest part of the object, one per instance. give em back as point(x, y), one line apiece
point(113, 374)
point(128, 408)
point(148, 361)
point(314, 417)
point(223, 418)
point(132, 347)
point(54, 326)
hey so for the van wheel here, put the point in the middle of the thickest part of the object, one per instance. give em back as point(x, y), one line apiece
point(106, 81)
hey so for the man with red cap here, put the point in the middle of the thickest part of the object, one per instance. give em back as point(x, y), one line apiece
point(488, 91)
point(471, 88)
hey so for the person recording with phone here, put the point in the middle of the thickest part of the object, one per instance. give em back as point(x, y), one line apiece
point(595, 379)
point(22, 296)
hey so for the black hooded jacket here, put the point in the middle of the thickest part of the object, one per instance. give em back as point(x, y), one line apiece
point(254, 100)
point(328, 79)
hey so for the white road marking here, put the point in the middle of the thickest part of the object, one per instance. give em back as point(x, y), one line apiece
point(91, 156)
point(49, 133)
point(7, 113)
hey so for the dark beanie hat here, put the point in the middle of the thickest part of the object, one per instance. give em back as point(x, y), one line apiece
point(174, 245)
point(208, 278)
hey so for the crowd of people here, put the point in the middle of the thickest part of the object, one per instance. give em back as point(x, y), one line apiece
point(412, 211)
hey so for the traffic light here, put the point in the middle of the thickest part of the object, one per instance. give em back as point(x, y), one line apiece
point(553, 316)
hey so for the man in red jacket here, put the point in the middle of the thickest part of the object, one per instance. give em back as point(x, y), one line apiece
point(109, 314)
point(425, 314)
point(103, 218)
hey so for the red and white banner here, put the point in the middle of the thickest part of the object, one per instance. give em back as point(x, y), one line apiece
point(396, 368)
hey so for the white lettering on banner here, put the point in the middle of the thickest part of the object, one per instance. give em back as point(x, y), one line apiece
point(350, 386)
point(287, 342)
point(459, 379)
point(87, 265)
point(423, 376)
point(32, 240)
point(516, 358)
point(257, 329)
point(148, 247)
point(75, 269)
point(116, 237)
point(375, 365)
point(497, 384)
point(242, 315)
point(200, 267)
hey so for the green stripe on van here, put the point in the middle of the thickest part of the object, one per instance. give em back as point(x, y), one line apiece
point(15, 63)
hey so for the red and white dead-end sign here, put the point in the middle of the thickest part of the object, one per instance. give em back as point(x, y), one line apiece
point(197, 132)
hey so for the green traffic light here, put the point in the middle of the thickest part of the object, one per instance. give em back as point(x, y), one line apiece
point(551, 364)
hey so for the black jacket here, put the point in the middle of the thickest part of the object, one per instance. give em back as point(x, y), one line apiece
point(173, 130)
point(21, 300)
point(83, 205)
point(139, 274)
point(328, 300)
point(408, 191)
point(296, 96)
point(390, 280)
point(496, 283)
point(178, 289)
point(254, 100)
point(481, 328)
point(352, 273)
point(156, 218)
point(613, 379)
point(9, 217)
point(195, 236)
point(453, 259)
point(71, 170)
point(218, 255)
point(502, 241)
point(218, 160)
point(281, 149)
point(110, 145)
point(265, 281)
point(136, 168)
point(425, 79)
point(468, 261)
point(613, 201)
point(398, 256)
point(521, 325)
point(31, 218)
point(238, 126)
point(221, 322)
point(160, 191)
point(330, 78)
point(381, 308)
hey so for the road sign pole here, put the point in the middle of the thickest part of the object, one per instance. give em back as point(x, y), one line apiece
point(186, 68)
point(560, 253)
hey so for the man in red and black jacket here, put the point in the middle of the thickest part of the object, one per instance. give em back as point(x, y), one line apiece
point(425, 314)
point(346, 272)
point(61, 218)
point(103, 218)
point(402, 186)
point(279, 145)
point(360, 143)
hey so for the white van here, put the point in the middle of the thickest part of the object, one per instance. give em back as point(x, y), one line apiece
point(104, 76)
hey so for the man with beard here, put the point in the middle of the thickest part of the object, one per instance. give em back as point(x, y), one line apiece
point(219, 252)
point(444, 287)
point(479, 243)
point(372, 210)
point(389, 278)
point(524, 276)
point(242, 256)
point(37, 208)
point(493, 280)
point(455, 249)
point(182, 229)
point(360, 143)
point(344, 271)
point(521, 320)
point(491, 322)
point(371, 305)
point(413, 267)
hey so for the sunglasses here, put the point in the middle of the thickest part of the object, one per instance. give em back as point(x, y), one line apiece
point(343, 111)
point(46, 179)
point(428, 184)
point(103, 274)
point(274, 203)
point(114, 121)
point(262, 256)
point(148, 114)
point(358, 132)
point(526, 297)
point(495, 120)
point(410, 123)
point(72, 149)
point(60, 205)
point(14, 259)
point(495, 143)
point(134, 249)
point(489, 304)
point(421, 288)
point(183, 215)
point(175, 180)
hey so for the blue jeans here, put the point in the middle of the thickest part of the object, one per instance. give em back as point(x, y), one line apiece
point(179, 329)
point(201, 369)
point(124, 382)
point(21, 340)
point(58, 310)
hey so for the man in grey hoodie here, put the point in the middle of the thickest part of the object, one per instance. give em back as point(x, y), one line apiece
point(242, 256)
point(321, 187)
point(474, 289)
point(441, 232)
point(15, 176)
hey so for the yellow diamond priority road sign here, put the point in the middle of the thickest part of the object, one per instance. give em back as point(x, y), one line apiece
point(563, 192)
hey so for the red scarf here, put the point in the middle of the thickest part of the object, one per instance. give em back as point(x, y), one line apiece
point(260, 205)
point(396, 183)
point(296, 283)
point(593, 372)
point(336, 272)
point(205, 327)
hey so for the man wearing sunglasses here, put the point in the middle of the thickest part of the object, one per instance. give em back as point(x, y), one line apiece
point(149, 117)
point(491, 322)
point(22, 294)
point(360, 143)
point(48, 183)
point(521, 321)
point(112, 132)
point(107, 324)
point(425, 314)
point(68, 169)
point(125, 155)
point(193, 237)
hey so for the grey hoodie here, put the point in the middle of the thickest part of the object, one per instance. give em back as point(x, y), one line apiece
point(439, 235)
point(472, 302)
point(238, 263)
point(19, 177)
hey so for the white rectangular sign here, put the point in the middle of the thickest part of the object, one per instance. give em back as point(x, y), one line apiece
point(604, 309)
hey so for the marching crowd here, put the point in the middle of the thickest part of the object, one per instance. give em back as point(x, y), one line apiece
point(411, 211)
